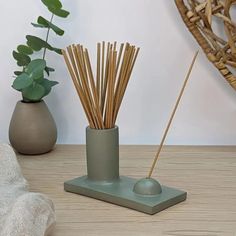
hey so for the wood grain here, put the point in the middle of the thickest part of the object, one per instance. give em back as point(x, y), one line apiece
point(208, 174)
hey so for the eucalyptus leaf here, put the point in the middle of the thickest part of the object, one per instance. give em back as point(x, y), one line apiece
point(59, 12)
point(22, 59)
point(57, 50)
point(35, 92)
point(55, 7)
point(50, 83)
point(37, 64)
point(52, 3)
point(37, 43)
point(22, 81)
point(47, 84)
point(35, 69)
point(38, 25)
point(23, 49)
point(18, 73)
point(48, 70)
point(48, 24)
point(38, 75)
point(43, 23)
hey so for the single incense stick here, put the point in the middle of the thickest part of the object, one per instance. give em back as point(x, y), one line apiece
point(172, 116)
point(98, 78)
point(119, 58)
point(102, 71)
point(105, 78)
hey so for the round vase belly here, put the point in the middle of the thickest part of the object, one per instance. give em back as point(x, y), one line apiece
point(32, 128)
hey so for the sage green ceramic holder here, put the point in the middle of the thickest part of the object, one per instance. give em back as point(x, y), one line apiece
point(103, 181)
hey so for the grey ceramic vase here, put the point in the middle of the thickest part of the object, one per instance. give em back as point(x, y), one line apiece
point(32, 128)
point(102, 150)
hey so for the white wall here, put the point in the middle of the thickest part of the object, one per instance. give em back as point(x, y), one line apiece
point(207, 113)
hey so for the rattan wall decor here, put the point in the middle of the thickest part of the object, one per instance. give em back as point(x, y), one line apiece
point(199, 16)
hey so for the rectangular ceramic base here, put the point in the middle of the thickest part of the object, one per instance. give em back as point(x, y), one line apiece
point(121, 193)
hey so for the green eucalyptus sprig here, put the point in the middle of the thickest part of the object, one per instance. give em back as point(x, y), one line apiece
point(30, 80)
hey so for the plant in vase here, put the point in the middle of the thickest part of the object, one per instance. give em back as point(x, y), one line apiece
point(32, 129)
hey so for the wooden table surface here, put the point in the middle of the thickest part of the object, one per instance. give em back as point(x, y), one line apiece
point(208, 174)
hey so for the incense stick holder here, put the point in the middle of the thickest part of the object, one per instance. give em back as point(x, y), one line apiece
point(102, 150)
point(103, 181)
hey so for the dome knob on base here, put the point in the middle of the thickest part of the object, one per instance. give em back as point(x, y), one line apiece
point(147, 186)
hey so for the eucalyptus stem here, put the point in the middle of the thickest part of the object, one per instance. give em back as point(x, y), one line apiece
point(45, 49)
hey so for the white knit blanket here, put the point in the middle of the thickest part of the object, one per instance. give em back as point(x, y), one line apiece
point(22, 213)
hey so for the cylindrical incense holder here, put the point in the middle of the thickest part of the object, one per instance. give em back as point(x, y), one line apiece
point(102, 150)
point(104, 183)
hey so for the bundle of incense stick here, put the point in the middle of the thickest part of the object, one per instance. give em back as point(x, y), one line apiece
point(101, 95)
